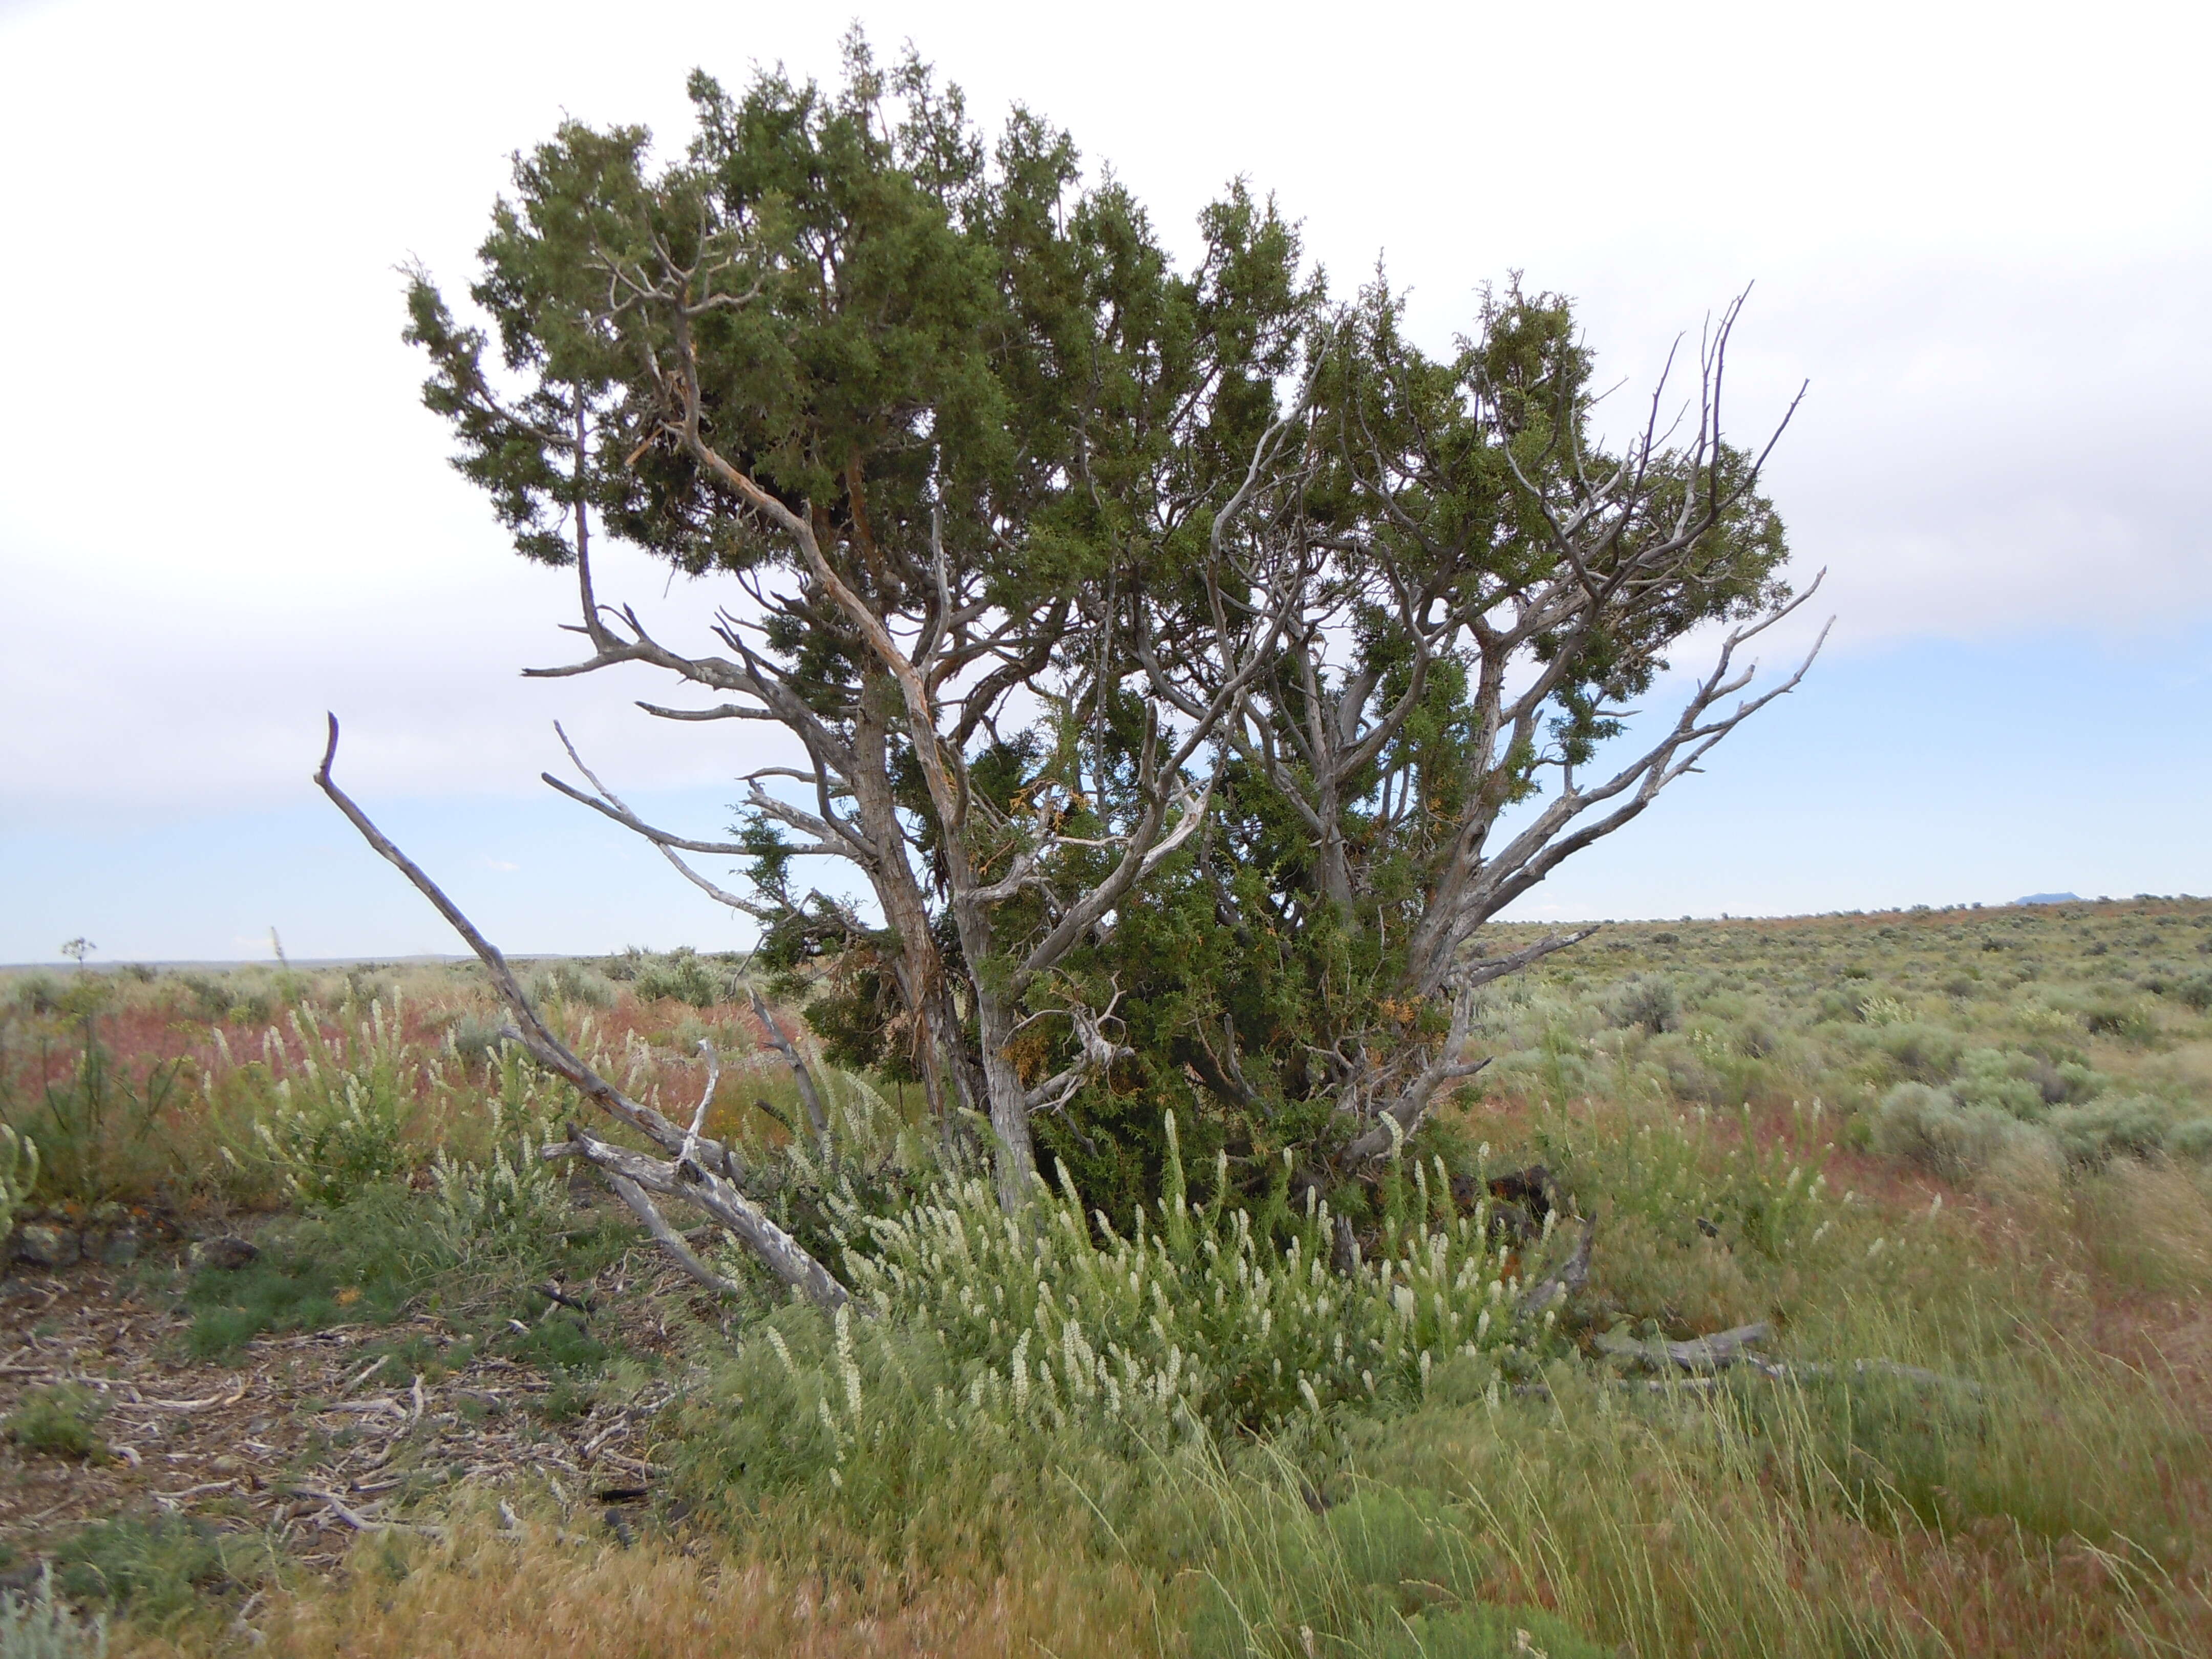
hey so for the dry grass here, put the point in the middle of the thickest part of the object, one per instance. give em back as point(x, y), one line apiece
point(493, 1596)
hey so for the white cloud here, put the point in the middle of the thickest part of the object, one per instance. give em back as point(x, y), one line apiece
point(1979, 231)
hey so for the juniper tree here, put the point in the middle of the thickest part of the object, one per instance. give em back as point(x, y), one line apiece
point(1482, 588)
point(1190, 669)
point(941, 414)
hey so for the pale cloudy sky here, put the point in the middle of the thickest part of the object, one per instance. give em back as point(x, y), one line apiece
point(1981, 232)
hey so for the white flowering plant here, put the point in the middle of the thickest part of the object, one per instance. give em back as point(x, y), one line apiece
point(1197, 1318)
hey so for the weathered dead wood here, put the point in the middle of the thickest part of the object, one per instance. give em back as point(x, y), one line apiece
point(1564, 1280)
point(1816, 1371)
point(1701, 1354)
point(642, 1207)
point(1344, 1248)
point(696, 1170)
point(817, 1117)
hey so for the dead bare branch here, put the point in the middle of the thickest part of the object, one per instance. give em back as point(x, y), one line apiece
point(694, 1174)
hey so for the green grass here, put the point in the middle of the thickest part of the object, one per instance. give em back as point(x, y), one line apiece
point(159, 1571)
point(1956, 1141)
point(363, 1263)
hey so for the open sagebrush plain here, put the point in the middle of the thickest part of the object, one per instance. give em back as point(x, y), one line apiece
point(305, 1346)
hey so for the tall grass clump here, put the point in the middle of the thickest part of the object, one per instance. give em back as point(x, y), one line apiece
point(19, 1173)
point(41, 1626)
point(98, 1130)
point(339, 1119)
point(512, 1206)
point(1232, 1316)
point(983, 1348)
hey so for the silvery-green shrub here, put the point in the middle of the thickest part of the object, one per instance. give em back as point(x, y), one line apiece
point(1932, 1128)
point(1928, 1053)
point(2001, 1080)
point(38, 1626)
point(2112, 1125)
point(1652, 1004)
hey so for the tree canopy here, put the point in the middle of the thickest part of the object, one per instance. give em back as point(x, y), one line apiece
point(1187, 662)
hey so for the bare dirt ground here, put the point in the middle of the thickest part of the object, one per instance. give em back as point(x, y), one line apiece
point(305, 1439)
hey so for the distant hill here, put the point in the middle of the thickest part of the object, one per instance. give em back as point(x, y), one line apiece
point(2050, 898)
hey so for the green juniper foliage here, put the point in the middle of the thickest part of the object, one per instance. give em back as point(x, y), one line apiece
point(1167, 647)
point(848, 354)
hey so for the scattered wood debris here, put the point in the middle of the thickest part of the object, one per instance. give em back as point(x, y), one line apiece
point(288, 1438)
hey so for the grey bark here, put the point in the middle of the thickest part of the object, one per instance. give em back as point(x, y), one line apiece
point(696, 1168)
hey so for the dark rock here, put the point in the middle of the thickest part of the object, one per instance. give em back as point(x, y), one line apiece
point(40, 1245)
point(1531, 1188)
point(118, 1250)
point(225, 1255)
point(1521, 1201)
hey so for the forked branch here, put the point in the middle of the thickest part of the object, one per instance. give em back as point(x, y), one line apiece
point(697, 1170)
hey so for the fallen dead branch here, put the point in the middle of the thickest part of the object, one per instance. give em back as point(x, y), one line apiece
point(338, 1507)
point(1815, 1371)
point(1700, 1360)
point(1564, 1280)
point(697, 1170)
point(230, 1399)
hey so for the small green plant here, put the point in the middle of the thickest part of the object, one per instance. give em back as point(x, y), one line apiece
point(61, 1421)
point(152, 1570)
point(97, 1130)
point(362, 1262)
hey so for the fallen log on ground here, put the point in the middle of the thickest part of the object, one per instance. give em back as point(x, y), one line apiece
point(1704, 1353)
point(1704, 1358)
point(1564, 1280)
